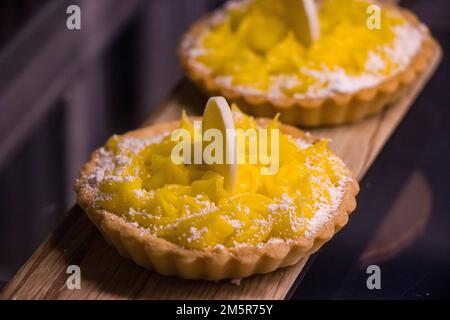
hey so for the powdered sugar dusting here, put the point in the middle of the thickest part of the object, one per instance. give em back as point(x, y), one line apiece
point(107, 162)
point(109, 167)
point(302, 144)
point(325, 212)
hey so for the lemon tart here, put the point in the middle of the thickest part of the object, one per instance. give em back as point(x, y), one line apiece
point(360, 56)
point(180, 218)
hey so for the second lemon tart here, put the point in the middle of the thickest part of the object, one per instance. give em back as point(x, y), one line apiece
point(248, 52)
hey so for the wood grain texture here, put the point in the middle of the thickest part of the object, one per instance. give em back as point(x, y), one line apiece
point(106, 275)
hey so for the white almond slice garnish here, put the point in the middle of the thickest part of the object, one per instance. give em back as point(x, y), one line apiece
point(217, 115)
point(304, 20)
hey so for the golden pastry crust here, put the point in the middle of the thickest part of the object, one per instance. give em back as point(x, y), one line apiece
point(336, 108)
point(168, 258)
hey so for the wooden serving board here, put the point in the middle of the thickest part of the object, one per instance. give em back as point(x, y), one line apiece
point(106, 275)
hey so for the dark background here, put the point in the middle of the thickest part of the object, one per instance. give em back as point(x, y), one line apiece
point(62, 93)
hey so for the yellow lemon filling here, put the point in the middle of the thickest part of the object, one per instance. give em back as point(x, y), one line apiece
point(251, 46)
point(187, 204)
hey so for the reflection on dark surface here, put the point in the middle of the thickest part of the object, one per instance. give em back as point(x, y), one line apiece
point(403, 223)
